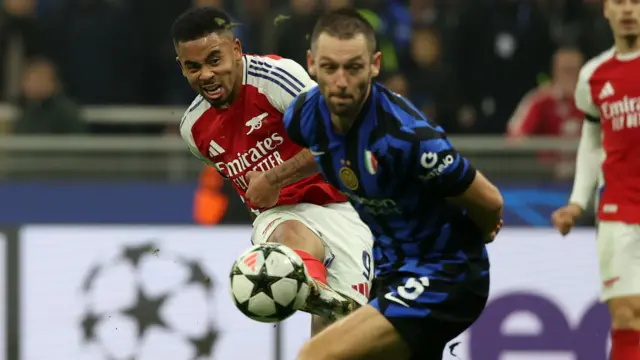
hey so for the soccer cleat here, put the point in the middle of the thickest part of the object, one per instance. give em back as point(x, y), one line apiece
point(326, 302)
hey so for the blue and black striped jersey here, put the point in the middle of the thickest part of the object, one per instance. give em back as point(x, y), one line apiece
point(397, 168)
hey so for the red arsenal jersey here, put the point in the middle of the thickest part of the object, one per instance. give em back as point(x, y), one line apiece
point(249, 135)
point(609, 92)
point(545, 112)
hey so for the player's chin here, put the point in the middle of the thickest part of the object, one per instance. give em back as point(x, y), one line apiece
point(342, 109)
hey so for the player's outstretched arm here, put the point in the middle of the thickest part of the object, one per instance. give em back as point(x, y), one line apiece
point(264, 188)
point(585, 182)
point(442, 167)
point(295, 169)
point(484, 204)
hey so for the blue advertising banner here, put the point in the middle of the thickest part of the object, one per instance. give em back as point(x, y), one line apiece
point(172, 203)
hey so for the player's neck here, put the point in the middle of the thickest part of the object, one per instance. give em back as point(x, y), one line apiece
point(627, 45)
point(342, 124)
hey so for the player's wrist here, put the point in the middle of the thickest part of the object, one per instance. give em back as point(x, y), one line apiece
point(575, 209)
point(273, 179)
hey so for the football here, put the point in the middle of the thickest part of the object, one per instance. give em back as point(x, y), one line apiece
point(269, 282)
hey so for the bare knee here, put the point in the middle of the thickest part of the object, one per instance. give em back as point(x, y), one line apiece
point(318, 324)
point(625, 312)
point(298, 236)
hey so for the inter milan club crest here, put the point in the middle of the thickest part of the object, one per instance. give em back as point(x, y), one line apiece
point(348, 176)
point(370, 162)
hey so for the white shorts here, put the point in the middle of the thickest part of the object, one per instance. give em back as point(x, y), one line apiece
point(619, 256)
point(347, 240)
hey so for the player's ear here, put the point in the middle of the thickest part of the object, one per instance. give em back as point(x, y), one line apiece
point(237, 50)
point(376, 63)
point(311, 68)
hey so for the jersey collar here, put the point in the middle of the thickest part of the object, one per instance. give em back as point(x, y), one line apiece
point(628, 56)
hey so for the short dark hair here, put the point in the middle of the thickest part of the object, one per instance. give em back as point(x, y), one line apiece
point(344, 24)
point(199, 22)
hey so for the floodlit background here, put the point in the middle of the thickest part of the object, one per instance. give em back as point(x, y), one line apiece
point(90, 101)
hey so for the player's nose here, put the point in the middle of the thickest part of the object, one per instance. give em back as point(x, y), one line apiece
point(207, 73)
point(341, 79)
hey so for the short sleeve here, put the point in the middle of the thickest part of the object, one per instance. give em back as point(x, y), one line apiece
point(289, 80)
point(292, 119)
point(583, 95)
point(440, 166)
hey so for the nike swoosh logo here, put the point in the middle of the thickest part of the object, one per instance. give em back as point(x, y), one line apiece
point(389, 296)
point(317, 153)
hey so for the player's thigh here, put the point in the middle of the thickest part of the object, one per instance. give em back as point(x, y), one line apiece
point(348, 246)
point(288, 225)
point(618, 247)
point(429, 310)
point(364, 334)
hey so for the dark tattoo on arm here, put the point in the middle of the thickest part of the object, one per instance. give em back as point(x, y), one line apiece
point(295, 169)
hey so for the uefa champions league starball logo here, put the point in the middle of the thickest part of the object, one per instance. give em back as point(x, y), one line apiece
point(147, 305)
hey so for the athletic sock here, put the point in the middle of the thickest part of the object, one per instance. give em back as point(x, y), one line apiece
point(625, 344)
point(315, 267)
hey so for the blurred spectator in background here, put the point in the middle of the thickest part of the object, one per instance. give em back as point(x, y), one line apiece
point(550, 109)
point(293, 30)
point(161, 77)
point(398, 83)
point(432, 81)
point(44, 109)
point(595, 33)
point(98, 47)
point(257, 26)
point(503, 48)
point(209, 202)
point(441, 15)
point(19, 39)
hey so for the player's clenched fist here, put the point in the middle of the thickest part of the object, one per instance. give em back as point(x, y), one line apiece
point(489, 239)
point(565, 218)
point(260, 191)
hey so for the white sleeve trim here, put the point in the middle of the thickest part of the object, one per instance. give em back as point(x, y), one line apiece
point(279, 80)
point(195, 111)
point(588, 164)
point(583, 94)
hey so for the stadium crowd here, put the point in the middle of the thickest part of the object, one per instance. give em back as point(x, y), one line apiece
point(468, 63)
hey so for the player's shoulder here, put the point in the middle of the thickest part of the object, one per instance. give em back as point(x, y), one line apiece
point(272, 74)
point(300, 118)
point(402, 120)
point(301, 110)
point(594, 64)
point(193, 113)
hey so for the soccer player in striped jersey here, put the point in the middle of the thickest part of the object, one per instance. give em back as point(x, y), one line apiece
point(235, 125)
point(430, 211)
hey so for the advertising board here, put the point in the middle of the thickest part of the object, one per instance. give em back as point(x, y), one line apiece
point(144, 293)
point(526, 204)
point(117, 292)
point(3, 297)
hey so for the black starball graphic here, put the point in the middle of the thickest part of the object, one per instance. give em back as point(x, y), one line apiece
point(140, 325)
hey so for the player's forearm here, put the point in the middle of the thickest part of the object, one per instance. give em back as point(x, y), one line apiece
point(588, 162)
point(486, 219)
point(295, 169)
point(483, 202)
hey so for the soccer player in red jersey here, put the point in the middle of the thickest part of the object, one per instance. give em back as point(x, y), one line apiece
point(608, 92)
point(235, 125)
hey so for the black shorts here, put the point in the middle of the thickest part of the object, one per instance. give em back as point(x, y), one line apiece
point(429, 310)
